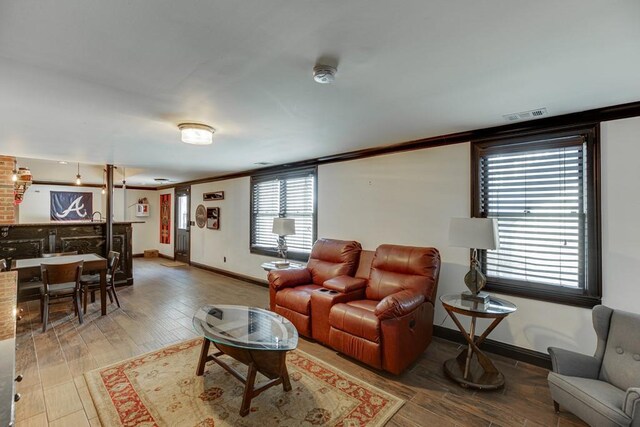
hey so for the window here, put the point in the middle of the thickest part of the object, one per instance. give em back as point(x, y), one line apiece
point(543, 191)
point(287, 195)
point(183, 212)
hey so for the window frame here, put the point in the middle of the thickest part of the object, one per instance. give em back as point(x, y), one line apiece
point(591, 294)
point(284, 174)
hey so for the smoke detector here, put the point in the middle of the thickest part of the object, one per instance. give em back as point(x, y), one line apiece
point(324, 74)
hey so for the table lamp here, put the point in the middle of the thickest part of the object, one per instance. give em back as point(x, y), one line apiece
point(474, 233)
point(283, 227)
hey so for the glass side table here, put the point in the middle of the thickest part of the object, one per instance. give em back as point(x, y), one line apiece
point(464, 369)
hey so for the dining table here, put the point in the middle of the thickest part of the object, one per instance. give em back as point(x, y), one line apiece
point(91, 263)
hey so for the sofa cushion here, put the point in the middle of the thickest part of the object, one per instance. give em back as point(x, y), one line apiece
point(621, 362)
point(297, 299)
point(357, 318)
point(596, 402)
point(331, 258)
point(398, 268)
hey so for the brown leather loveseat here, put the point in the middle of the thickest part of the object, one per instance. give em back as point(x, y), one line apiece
point(382, 317)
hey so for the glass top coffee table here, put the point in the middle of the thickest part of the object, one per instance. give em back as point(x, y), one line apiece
point(258, 338)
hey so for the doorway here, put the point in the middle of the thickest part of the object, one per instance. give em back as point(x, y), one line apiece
point(183, 203)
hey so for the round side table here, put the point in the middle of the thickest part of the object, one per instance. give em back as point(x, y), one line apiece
point(268, 266)
point(464, 369)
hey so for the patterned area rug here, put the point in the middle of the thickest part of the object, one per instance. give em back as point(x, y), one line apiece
point(161, 389)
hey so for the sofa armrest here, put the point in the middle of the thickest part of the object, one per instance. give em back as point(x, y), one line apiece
point(345, 284)
point(280, 279)
point(631, 404)
point(398, 304)
point(573, 364)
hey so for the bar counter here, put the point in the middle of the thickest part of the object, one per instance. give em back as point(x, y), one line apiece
point(21, 241)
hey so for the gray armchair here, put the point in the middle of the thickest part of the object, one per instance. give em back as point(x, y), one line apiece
point(603, 389)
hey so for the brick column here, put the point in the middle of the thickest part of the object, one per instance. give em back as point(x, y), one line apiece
point(8, 289)
point(7, 208)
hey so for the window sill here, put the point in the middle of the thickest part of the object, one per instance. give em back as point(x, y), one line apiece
point(556, 297)
point(295, 256)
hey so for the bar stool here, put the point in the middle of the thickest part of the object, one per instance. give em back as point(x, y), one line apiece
point(90, 283)
point(60, 281)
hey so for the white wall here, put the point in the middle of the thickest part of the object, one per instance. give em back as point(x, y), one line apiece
point(210, 247)
point(408, 198)
point(146, 235)
point(36, 204)
point(620, 208)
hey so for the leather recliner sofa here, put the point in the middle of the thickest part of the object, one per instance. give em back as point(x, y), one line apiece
point(383, 316)
point(290, 290)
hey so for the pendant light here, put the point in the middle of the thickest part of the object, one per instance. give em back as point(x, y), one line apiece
point(78, 177)
point(104, 184)
point(14, 177)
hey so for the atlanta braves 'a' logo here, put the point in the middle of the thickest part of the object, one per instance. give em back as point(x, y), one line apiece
point(76, 206)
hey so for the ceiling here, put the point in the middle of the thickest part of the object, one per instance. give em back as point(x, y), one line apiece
point(108, 81)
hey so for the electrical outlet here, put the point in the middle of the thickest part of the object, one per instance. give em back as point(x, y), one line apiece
point(225, 259)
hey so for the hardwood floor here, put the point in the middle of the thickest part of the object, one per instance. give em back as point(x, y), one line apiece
point(157, 311)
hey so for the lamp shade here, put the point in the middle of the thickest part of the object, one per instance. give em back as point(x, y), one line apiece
point(284, 226)
point(474, 233)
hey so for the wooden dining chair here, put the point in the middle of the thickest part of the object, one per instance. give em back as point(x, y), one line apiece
point(60, 282)
point(56, 254)
point(90, 283)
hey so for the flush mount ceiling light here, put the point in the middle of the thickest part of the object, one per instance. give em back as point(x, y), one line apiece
point(324, 74)
point(196, 133)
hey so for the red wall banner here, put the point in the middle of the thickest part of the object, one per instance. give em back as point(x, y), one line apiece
point(165, 218)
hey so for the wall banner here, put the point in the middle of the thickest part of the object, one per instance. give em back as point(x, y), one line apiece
point(71, 206)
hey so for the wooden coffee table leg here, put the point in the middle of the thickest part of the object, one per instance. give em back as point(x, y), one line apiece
point(286, 384)
point(248, 390)
point(204, 354)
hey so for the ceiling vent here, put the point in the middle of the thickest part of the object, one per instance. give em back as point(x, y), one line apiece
point(526, 115)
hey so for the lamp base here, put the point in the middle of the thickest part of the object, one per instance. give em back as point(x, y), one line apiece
point(480, 297)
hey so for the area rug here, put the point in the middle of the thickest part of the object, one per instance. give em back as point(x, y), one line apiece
point(173, 264)
point(161, 389)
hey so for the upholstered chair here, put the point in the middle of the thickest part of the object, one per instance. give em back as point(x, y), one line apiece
point(290, 290)
point(603, 389)
point(393, 324)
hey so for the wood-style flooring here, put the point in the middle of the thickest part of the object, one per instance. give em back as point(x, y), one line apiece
point(157, 311)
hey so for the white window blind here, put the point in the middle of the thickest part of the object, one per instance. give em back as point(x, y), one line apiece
point(539, 199)
point(286, 196)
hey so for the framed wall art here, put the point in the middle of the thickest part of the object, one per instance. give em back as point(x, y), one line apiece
point(216, 195)
point(213, 218)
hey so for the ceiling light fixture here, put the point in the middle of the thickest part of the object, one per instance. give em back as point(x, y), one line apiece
point(78, 177)
point(196, 133)
point(104, 183)
point(62, 162)
point(14, 176)
point(324, 74)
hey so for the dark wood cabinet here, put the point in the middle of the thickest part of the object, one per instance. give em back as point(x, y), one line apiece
point(21, 241)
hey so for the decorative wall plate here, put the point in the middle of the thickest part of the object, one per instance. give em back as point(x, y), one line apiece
point(201, 216)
